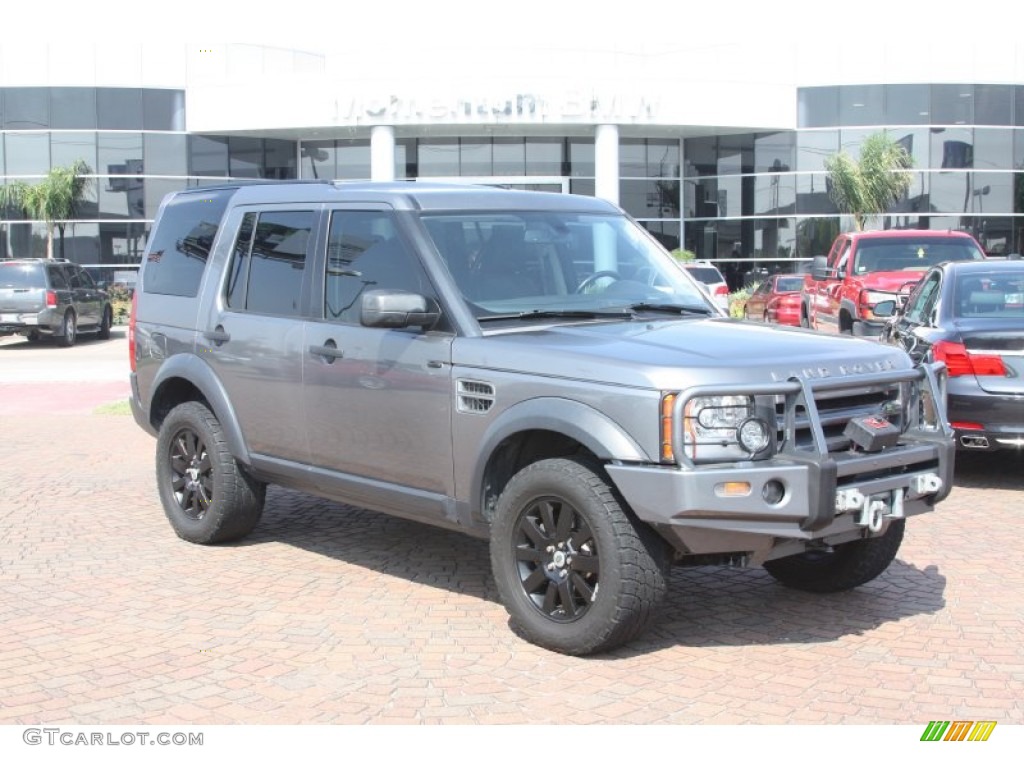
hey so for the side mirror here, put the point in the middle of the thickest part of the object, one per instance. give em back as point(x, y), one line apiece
point(819, 268)
point(396, 309)
point(885, 308)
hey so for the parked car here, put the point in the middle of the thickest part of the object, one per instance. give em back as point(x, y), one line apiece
point(525, 367)
point(776, 300)
point(864, 268)
point(51, 298)
point(708, 274)
point(970, 316)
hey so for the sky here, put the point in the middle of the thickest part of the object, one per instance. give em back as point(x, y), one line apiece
point(408, 28)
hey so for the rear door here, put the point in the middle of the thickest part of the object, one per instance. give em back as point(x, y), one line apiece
point(251, 334)
point(87, 297)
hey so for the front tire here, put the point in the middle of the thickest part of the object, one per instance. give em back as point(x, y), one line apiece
point(103, 332)
point(844, 567)
point(575, 572)
point(207, 497)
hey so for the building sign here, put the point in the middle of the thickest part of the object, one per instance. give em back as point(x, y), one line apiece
point(517, 108)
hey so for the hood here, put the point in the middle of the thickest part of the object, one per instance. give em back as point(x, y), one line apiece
point(890, 281)
point(671, 354)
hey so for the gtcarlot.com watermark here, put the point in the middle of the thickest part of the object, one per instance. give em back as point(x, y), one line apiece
point(72, 738)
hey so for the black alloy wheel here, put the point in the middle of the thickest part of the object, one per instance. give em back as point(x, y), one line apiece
point(191, 473)
point(558, 560)
point(577, 572)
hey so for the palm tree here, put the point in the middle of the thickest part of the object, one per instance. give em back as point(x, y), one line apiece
point(54, 200)
point(873, 183)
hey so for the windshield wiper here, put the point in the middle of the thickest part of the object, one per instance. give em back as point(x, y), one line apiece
point(676, 309)
point(543, 314)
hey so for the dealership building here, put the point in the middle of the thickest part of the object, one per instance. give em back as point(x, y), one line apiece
point(722, 155)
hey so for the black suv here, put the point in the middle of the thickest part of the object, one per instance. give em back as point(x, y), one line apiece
point(51, 297)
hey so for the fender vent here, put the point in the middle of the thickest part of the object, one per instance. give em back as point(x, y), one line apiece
point(473, 396)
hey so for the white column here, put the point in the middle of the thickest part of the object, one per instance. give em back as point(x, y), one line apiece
point(382, 153)
point(606, 163)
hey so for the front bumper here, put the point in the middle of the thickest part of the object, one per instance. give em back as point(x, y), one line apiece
point(692, 508)
point(819, 489)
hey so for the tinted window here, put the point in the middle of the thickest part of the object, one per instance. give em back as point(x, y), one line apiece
point(57, 279)
point(239, 274)
point(28, 154)
point(163, 110)
point(74, 277)
point(26, 108)
point(181, 242)
point(364, 252)
point(277, 262)
point(784, 284)
point(923, 299)
point(208, 156)
point(73, 108)
point(993, 294)
point(706, 274)
point(13, 275)
point(119, 109)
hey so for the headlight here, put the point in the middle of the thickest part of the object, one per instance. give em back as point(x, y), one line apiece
point(724, 428)
point(716, 418)
point(717, 428)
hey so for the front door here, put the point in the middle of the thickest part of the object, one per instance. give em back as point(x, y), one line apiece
point(378, 401)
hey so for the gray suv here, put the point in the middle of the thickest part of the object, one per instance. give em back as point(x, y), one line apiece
point(526, 367)
point(52, 298)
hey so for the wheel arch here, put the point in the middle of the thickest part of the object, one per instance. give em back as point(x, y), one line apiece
point(544, 428)
point(187, 377)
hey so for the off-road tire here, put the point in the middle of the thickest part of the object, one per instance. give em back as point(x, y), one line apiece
point(207, 497)
point(611, 569)
point(69, 330)
point(844, 567)
point(103, 332)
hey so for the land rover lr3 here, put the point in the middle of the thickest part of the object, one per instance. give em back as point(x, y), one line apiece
point(530, 368)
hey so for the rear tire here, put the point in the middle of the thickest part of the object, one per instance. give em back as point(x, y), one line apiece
point(575, 571)
point(844, 567)
point(69, 330)
point(207, 497)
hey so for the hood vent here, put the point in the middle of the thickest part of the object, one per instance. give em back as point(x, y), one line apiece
point(473, 396)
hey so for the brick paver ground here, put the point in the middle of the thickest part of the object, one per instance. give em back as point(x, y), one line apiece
point(329, 614)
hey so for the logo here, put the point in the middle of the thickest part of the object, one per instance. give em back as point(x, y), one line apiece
point(958, 730)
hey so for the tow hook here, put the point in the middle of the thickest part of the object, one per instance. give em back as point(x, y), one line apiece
point(925, 484)
point(871, 510)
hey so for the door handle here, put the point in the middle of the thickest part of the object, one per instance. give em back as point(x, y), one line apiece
point(218, 335)
point(328, 351)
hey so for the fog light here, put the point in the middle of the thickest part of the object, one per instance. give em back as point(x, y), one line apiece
point(753, 435)
point(773, 492)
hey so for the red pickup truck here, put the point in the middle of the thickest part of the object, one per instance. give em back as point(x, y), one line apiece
point(863, 268)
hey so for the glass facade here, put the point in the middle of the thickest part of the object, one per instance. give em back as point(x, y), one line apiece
point(137, 150)
point(764, 197)
point(758, 196)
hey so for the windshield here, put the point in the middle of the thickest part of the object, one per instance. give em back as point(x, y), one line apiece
point(557, 262)
point(917, 254)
